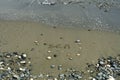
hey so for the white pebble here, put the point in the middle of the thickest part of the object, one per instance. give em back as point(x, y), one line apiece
point(49, 57)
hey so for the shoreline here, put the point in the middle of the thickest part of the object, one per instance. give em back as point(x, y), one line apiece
point(40, 41)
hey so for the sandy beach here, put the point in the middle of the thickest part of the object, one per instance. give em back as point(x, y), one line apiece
point(40, 41)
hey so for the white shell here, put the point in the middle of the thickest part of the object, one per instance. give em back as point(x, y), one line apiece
point(78, 54)
point(49, 57)
point(22, 62)
point(111, 78)
point(24, 55)
point(49, 51)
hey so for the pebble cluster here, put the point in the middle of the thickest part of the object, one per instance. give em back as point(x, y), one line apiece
point(105, 69)
point(71, 74)
point(15, 66)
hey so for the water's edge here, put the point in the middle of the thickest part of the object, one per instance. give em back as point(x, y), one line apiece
point(93, 14)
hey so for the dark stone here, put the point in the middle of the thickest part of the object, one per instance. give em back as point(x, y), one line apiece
point(54, 27)
point(41, 34)
point(54, 55)
point(61, 37)
point(89, 29)
point(44, 43)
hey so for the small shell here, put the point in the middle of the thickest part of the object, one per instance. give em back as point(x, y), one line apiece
point(49, 51)
point(22, 69)
point(52, 66)
point(49, 57)
point(24, 55)
point(22, 62)
point(36, 42)
point(78, 54)
point(70, 58)
point(77, 41)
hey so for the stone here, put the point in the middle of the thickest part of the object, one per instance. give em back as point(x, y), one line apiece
point(49, 58)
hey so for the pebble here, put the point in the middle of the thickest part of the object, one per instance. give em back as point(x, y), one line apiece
point(49, 51)
point(36, 42)
point(70, 58)
point(59, 67)
point(78, 54)
point(49, 58)
point(77, 41)
point(52, 66)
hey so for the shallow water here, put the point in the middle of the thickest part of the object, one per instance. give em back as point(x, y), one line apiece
point(21, 37)
point(85, 13)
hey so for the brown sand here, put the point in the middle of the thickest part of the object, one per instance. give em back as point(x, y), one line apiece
point(20, 36)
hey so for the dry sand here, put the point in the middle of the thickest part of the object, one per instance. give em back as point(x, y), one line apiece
point(21, 37)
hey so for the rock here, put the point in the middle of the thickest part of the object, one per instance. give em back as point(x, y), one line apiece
point(52, 66)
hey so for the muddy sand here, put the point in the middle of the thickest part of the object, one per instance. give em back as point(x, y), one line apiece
point(40, 41)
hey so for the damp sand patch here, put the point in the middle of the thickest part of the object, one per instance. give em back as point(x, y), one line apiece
point(53, 50)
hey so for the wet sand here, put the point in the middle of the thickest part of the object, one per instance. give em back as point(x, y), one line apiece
point(40, 41)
